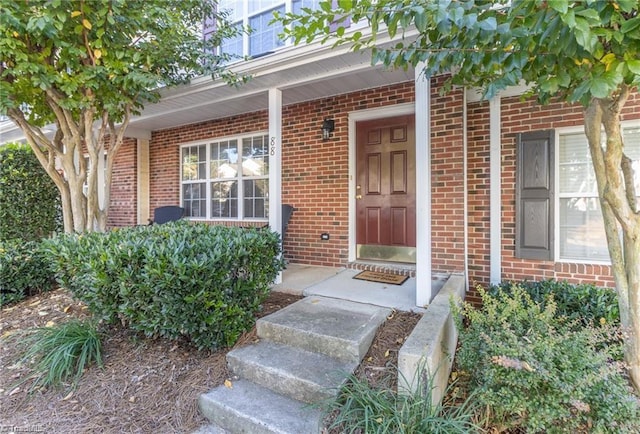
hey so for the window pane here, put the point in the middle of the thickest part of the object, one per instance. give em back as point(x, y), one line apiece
point(582, 230)
point(233, 46)
point(194, 164)
point(264, 36)
point(255, 156)
point(224, 159)
point(297, 5)
point(576, 170)
point(632, 150)
point(224, 199)
point(235, 8)
point(257, 5)
point(256, 193)
point(194, 199)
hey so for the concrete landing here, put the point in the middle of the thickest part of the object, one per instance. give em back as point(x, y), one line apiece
point(339, 283)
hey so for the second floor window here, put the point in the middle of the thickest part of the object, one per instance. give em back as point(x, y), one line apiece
point(256, 15)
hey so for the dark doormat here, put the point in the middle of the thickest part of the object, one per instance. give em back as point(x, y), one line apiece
point(381, 277)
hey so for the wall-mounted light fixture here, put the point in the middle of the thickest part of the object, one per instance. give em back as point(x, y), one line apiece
point(328, 125)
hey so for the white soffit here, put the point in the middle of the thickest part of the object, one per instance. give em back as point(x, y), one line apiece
point(302, 77)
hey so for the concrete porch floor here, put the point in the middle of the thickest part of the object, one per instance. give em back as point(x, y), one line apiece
point(339, 283)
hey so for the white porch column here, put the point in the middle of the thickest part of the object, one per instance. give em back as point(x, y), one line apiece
point(495, 169)
point(275, 163)
point(142, 194)
point(423, 187)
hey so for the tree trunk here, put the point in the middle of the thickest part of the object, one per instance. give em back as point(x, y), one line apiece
point(63, 158)
point(621, 218)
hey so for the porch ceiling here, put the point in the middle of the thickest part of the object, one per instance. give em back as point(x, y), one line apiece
point(302, 73)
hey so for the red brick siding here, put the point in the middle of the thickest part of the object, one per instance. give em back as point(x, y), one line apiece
point(447, 182)
point(315, 174)
point(315, 177)
point(518, 117)
point(124, 189)
point(164, 151)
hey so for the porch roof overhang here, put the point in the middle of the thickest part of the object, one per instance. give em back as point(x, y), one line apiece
point(302, 73)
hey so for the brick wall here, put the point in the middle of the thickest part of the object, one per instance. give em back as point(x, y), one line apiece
point(315, 174)
point(518, 117)
point(122, 209)
point(315, 177)
point(447, 178)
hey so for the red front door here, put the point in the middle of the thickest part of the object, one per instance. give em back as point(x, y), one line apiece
point(385, 189)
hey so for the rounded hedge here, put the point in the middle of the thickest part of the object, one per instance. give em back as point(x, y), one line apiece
point(176, 280)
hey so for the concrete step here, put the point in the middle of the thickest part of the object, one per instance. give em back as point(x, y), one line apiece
point(249, 408)
point(299, 374)
point(337, 328)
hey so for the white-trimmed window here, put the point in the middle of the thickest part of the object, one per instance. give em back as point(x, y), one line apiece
point(558, 215)
point(226, 178)
point(256, 15)
point(581, 235)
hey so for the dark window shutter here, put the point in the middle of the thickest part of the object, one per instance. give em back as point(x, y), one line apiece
point(209, 27)
point(534, 195)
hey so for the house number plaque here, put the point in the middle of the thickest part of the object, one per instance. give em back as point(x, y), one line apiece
point(272, 146)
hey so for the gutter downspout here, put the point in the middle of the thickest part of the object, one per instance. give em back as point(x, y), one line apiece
point(465, 187)
point(495, 187)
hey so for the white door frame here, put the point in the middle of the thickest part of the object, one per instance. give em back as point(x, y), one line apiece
point(367, 115)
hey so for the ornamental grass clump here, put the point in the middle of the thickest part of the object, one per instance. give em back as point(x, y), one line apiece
point(60, 354)
point(363, 408)
point(531, 369)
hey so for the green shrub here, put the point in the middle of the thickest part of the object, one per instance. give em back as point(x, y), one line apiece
point(61, 353)
point(175, 280)
point(29, 200)
point(585, 303)
point(24, 270)
point(534, 370)
point(362, 408)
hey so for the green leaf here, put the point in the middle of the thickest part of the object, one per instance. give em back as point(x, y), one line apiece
point(600, 87)
point(561, 6)
point(634, 66)
point(630, 25)
point(489, 24)
point(590, 14)
point(420, 20)
point(627, 5)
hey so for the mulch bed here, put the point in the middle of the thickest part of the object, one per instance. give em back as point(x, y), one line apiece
point(146, 385)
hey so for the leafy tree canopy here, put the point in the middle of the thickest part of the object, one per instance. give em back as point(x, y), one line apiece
point(87, 66)
point(107, 55)
point(574, 49)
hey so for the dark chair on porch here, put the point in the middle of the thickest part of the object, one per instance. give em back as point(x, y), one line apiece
point(287, 211)
point(165, 214)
